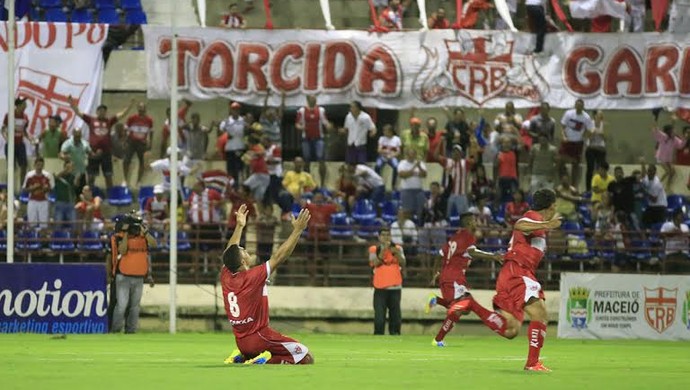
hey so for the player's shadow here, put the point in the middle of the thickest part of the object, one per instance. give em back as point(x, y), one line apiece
point(223, 366)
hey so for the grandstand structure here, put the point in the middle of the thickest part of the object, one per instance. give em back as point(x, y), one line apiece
point(340, 260)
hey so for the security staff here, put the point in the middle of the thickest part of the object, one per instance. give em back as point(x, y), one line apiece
point(388, 261)
point(129, 267)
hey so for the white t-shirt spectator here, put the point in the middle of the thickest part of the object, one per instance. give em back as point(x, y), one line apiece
point(163, 166)
point(484, 216)
point(655, 190)
point(413, 182)
point(406, 232)
point(676, 243)
point(389, 145)
point(235, 129)
point(367, 177)
point(576, 124)
point(358, 128)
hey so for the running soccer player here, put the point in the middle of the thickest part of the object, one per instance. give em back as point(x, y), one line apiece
point(517, 289)
point(246, 300)
point(456, 254)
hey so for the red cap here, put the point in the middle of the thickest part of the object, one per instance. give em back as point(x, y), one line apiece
point(235, 105)
point(415, 121)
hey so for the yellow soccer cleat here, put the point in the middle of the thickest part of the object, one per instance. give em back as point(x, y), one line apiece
point(234, 358)
point(262, 358)
point(430, 303)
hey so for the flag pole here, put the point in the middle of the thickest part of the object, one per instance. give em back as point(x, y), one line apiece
point(174, 181)
point(11, 29)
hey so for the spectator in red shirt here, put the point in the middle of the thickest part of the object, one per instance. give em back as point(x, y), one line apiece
point(318, 235)
point(140, 136)
point(312, 122)
point(438, 20)
point(683, 153)
point(38, 183)
point(436, 140)
point(505, 169)
point(21, 122)
point(516, 208)
point(100, 128)
point(233, 19)
point(259, 179)
point(89, 210)
point(181, 121)
point(157, 209)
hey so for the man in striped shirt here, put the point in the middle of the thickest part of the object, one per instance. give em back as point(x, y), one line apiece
point(459, 169)
point(38, 183)
point(204, 207)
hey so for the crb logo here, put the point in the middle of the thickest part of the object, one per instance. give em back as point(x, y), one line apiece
point(73, 303)
point(478, 68)
point(660, 307)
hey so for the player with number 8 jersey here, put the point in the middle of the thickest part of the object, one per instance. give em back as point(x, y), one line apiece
point(245, 294)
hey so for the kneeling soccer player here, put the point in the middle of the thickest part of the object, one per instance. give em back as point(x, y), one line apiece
point(456, 254)
point(246, 300)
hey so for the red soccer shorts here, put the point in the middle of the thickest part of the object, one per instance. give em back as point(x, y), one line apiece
point(452, 291)
point(514, 287)
point(270, 340)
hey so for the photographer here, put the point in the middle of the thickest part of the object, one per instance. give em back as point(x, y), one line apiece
point(129, 266)
point(387, 260)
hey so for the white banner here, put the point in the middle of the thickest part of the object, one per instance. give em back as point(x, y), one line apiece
point(53, 61)
point(417, 69)
point(607, 306)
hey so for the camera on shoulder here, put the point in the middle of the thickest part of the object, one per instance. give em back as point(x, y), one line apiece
point(130, 223)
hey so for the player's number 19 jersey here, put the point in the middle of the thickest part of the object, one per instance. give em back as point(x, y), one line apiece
point(455, 257)
point(527, 249)
point(245, 295)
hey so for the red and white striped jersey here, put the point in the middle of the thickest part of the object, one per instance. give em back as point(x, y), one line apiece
point(459, 173)
point(202, 207)
point(314, 121)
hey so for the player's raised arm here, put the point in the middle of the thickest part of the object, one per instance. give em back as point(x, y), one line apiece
point(529, 225)
point(482, 255)
point(241, 215)
point(285, 250)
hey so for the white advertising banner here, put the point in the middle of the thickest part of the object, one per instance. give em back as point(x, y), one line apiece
point(423, 68)
point(608, 306)
point(53, 61)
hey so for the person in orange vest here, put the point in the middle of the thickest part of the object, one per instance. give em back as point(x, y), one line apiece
point(129, 266)
point(388, 262)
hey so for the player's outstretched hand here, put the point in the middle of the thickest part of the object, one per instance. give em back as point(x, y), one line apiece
point(498, 257)
point(241, 215)
point(555, 221)
point(302, 220)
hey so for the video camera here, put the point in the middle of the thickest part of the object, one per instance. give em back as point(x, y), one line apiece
point(130, 223)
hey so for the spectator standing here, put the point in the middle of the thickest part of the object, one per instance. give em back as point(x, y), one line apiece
point(119, 142)
point(600, 182)
point(432, 235)
point(667, 143)
point(318, 236)
point(543, 124)
point(276, 193)
point(482, 213)
point(414, 138)
point(140, 136)
point(392, 16)
point(163, 166)
point(404, 230)
point(52, 137)
point(412, 172)
point(357, 124)
point(505, 169)
point(635, 18)
point(312, 122)
point(436, 140)
point(259, 179)
point(272, 118)
point(622, 194)
point(517, 208)
point(196, 135)
point(508, 117)
point(204, 205)
point(459, 170)
point(482, 185)
point(297, 181)
point(89, 210)
point(676, 241)
point(683, 154)
point(234, 126)
point(129, 267)
point(233, 19)
point(157, 210)
point(389, 151)
point(181, 121)
point(501, 24)
point(542, 165)
point(575, 123)
point(21, 122)
point(656, 197)
point(457, 130)
point(567, 199)
point(438, 20)
point(66, 186)
point(388, 261)
point(536, 14)
point(100, 128)
point(38, 183)
point(595, 152)
point(77, 150)
point(265, 234)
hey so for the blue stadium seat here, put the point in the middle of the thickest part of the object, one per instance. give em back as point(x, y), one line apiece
point(500, 214)
point(90, 242)
point(3, 13)
point(82, 15)
point(364, 210)
point(61, 241)
point(3, 240)
point(130, 4)
point(454, 217)
point(145, 192)
point(28, 240)
point(574, 228)
point(119, 196)
point(641, 250)
point(389, 211)
point(675, 201)
point(369, 228)
point(108, 16)
point(183, 244)
point(97, 191)
point(56, 15)
point(24, 197)
point(493, 244)
point(296, 208)
point(341, 226)
point(50, 3)
point(135, 17)
point(104, 4)
point(395, 195)
point(51, 196)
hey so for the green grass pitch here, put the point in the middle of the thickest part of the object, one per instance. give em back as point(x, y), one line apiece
point(195, 361)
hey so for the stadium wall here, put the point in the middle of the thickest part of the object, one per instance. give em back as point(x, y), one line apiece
point(327, 309)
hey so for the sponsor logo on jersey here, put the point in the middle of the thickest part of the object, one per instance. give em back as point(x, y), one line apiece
point(244, 321)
